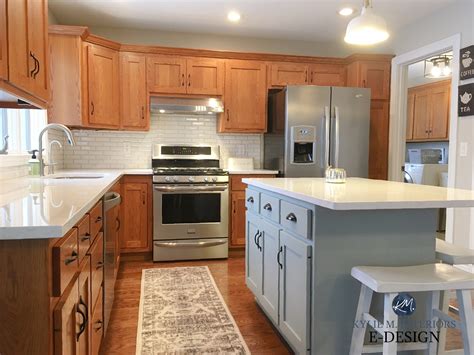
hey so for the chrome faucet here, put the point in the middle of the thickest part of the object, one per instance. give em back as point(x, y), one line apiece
point(67, 132)
point(51, 164)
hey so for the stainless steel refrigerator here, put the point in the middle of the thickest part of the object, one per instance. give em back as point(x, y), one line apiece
point(311, 127)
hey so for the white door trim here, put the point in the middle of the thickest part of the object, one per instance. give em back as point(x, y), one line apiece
point(398, 109)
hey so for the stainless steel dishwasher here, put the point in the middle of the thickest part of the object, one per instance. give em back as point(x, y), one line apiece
point(112, 202)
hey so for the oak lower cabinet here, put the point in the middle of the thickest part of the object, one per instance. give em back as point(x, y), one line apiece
point(137, 214)
point(278, 272)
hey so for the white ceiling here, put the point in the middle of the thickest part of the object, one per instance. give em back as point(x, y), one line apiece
point(310, 20)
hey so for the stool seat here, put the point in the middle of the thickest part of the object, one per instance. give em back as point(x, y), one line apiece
point(430, 277)
point(452, 254)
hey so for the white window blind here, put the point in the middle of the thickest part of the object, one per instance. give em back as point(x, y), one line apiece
point(22, 127)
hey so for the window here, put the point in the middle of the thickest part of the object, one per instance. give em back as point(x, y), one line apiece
point(23, 128)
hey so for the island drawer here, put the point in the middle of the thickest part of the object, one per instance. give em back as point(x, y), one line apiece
point(252, 200)
point(96, 219)
point(84, 236)
point(97, 267)
point(270, 207)
point(65, 261)
point(296, 219)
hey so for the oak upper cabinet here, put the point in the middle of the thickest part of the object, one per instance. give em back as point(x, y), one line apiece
point(103, 87)
point(374, 75)
point(410, 114)
point(166, 74)
point(136, 214)
point(245, 97)
point(282, 74)
point(431, 104)
point(327, 75)
point(26, 42)
point(133, 99)
point(205, 76)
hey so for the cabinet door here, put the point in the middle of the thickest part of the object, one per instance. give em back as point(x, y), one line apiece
point(205, 76)
point(421, 122)
point(97, 325)
point(103, 86)
point(410, 114)
point(133, 97)
point(327, 75)
point(69, 319)
point(253, 254)
point(238, 218)
point(378, 143)
point(3, 40)
point(135, 235)
point(283, 74)
point(439, 117)
point(166, 74)
point(376, 76)
point(84, 304)
point(270, 244)
point(295, 291)
point(245, 97)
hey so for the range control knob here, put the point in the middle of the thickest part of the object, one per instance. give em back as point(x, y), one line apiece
point(214, 179)
point(168, 179)
point(191, 179)
point(175, 179)
point(206, 179)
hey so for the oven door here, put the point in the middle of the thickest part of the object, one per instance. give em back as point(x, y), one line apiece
point(190, 211)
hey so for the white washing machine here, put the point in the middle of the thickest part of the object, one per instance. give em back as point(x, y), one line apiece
point(426, 174)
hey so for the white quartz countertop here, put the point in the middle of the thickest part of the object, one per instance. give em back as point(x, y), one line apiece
point(251, 172)
point(34, 208)
point(365, 194)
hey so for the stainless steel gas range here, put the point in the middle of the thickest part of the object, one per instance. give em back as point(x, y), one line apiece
point(190, 203)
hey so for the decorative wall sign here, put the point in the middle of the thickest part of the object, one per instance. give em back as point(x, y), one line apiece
point(466, 100)
point(466, 67)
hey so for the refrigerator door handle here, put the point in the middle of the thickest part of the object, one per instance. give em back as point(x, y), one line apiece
point(336, 129)
point(327, 116)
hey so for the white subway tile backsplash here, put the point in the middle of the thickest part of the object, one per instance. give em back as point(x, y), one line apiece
point(109, 149)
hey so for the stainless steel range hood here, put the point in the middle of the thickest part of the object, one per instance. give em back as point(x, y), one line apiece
point(181, 105)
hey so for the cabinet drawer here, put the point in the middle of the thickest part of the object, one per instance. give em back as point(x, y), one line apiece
point(65, 261)
point(252, 199)
point(96, 219)
point(97, 267)
point(270, 207)
point(84, 236)
point(97, 324)
point(296, 219)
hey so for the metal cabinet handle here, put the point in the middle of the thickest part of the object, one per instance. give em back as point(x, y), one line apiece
point(267, 206)
point(306, 76)
point(189, 79)
point(92, 108)
point(72, 258)
point(117, 220)
point(291, 217)
point(100, 265)
point(143, 198)
point(182, 77)
point(260, 235)
point(250, 199)
point(98, 219)
point(98, 325)
point(82, 326)
point(143, 113)
point(228, 115)
point(36, 68)
point(278, 257)
point(85, 237)
point(255, 237)
point(82, 303)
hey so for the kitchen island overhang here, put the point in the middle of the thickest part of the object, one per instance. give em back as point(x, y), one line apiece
point(362, 222)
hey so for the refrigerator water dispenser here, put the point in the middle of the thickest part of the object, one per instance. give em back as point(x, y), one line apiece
point(303, 144)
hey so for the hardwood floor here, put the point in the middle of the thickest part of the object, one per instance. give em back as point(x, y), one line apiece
point(229, 275)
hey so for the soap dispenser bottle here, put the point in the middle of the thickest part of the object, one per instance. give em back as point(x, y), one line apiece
point(33, 163)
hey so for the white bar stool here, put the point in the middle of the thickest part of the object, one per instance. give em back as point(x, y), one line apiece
point(421, 278)
point(450, 254)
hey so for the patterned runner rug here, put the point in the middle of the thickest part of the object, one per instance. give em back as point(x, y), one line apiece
point(182, 312)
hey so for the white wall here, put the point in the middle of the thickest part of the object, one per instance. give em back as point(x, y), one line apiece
point(455, 18)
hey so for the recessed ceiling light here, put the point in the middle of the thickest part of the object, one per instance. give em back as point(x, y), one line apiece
point(346, 11)
point(233, 16)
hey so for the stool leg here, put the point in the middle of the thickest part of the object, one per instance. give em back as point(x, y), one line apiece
point(389, 317)
point(443, 330)
point(467, 320)
point(433, 347)
point(357, 342)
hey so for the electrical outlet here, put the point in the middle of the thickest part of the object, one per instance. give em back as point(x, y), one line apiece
point(127, 149)
point(463, 149)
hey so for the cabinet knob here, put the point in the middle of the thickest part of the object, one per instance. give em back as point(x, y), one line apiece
point(100, 265)
point(85, 237)
point(250, 199)
point(267, 207)
point(72, 258)
point(98, 219)
point(291, 217)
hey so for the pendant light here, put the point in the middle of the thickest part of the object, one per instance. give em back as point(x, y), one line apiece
point(367, 28)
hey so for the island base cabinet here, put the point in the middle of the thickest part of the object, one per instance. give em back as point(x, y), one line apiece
point(295, 291)
point(253, 264)
point(270, 282)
